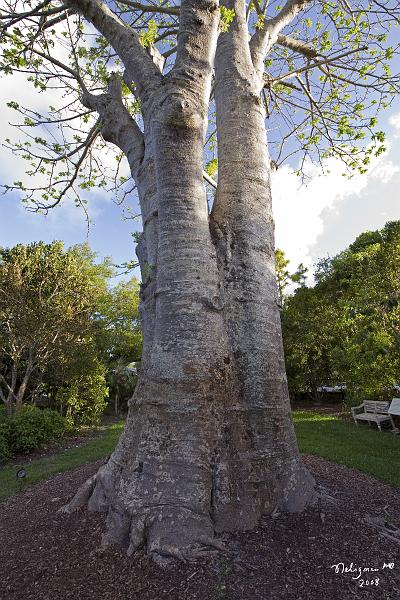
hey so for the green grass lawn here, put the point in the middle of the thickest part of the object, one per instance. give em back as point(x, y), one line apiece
point(43, 468)
point(360, 447)
point(324, 435)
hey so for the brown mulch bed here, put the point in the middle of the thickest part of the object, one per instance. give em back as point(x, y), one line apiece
point(48, 556)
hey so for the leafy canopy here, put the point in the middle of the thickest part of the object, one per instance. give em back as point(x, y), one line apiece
point(48, 296)
point(347, 327)
point(326, 76)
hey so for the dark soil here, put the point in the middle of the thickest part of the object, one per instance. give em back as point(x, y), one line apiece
point(49, 556)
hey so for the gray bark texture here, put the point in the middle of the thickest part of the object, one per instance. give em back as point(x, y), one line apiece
point(208, 445)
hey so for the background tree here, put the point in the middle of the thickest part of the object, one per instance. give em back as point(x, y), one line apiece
point(213, 447)
point(347, 327)
point(363, 282)
point(282, 273)
point(47, 298)
point(284, 278)
point(119, 339)
point(122, 379)
point(83, 395)
point(310, 332)
point(118, 336)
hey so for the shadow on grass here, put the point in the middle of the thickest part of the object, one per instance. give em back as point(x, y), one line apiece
point(359, 447)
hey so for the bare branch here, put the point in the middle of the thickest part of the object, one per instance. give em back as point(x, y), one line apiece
point(169, 10)
point(297, 46)
point(62, 66)
point(90, 140)
point(313, 64)
point(28, 13)
point(209, 179)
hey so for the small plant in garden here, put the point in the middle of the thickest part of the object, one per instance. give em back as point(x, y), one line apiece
point(28, 429)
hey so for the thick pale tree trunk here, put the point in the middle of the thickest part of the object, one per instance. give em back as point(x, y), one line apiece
point(208, 445)
point(243, 227)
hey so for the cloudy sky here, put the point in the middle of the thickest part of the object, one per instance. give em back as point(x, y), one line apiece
point(322, 218)
point(312, 221)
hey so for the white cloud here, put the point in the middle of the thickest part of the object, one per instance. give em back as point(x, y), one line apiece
point(14, 168)
point(394, 120)
point(300, 210)
point(384, 171)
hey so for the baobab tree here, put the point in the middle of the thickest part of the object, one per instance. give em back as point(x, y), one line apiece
point(184, 92)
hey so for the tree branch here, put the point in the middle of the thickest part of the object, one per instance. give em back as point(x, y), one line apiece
point(117, 125)
point(209, 180)
point(313, 65)
point(77, 167)
point(139, 64)
point(62, 66)
point(297, 46)
point(58, 64)
point(9, 389)
point(197, 40)
point(2, 396)
point(168, 10)
point(28, 13)
point(264, 38)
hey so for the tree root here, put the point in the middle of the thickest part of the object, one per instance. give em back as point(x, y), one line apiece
point(170, 527)
point(136, 532)
point(81, 497)
point(166, 553)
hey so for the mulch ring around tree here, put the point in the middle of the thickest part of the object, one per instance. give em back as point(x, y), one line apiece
point(49, 556)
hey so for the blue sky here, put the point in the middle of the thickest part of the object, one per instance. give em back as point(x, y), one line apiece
point(108, 233)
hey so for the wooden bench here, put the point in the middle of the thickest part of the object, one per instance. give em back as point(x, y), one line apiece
point(373, 412)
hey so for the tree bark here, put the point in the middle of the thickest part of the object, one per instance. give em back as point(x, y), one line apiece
point(116, 404)
point(157, 487)
point(243, 228)
point(19, 396)
point(208, 445)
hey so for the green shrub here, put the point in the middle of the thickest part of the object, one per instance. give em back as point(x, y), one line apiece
point(31, 427)
point(3, 414)
point(54, 423)
point(5, 450)
point(85, 398)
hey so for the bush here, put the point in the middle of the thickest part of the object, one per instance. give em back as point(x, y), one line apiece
point(85, 398)
point(5, 450)
point(31, 427)
point(54, 423)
